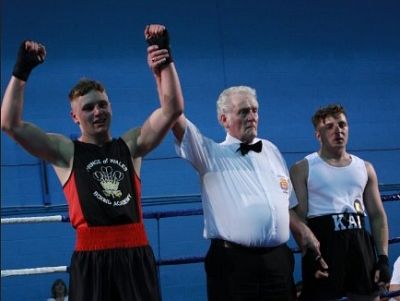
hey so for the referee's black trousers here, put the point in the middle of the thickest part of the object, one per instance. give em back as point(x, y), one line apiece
point(238, 273)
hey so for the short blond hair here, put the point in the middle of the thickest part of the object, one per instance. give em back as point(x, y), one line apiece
point(83, 87)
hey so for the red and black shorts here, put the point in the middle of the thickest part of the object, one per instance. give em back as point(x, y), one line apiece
point(113, 263)
point(114, 274)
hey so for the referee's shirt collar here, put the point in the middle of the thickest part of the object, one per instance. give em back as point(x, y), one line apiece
point(232, 140)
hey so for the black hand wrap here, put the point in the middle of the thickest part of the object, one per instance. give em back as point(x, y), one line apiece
point(162, 41)
point(26, 61)
point(382, 265)
point(313, 262)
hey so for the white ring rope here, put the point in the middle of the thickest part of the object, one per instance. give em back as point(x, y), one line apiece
point(61, 218)
point(44, 270)
point(33, 219)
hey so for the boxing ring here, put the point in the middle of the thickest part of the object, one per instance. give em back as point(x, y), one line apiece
point(157, 216)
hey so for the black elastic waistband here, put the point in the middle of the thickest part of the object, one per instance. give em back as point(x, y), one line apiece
point(234, 246)
point(337, 222)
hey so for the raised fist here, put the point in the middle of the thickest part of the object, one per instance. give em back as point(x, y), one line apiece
point(156, 34)
point(30, 54)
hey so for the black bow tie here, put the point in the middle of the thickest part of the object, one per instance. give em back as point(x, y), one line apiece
point(245, 148)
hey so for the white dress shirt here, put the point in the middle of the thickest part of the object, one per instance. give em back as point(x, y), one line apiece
point(245, 198)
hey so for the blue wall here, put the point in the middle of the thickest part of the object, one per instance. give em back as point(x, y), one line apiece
point(297, 54)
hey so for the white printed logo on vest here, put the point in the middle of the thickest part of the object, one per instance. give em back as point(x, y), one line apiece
point(109, 179)
point(109, 176)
